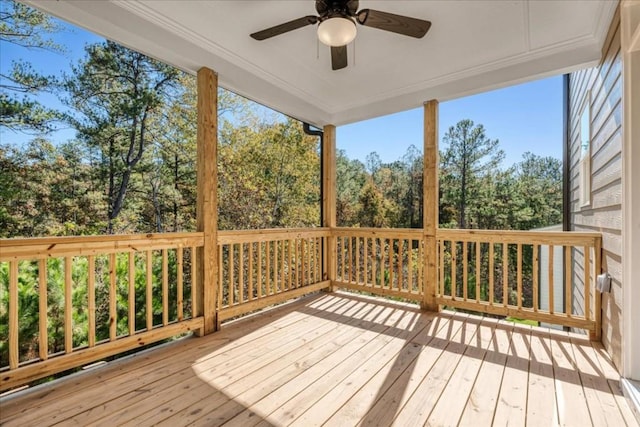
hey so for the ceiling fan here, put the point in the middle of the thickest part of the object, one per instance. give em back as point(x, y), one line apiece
point(337, 26)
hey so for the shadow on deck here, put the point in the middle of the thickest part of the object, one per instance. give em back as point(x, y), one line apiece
point(341, 359)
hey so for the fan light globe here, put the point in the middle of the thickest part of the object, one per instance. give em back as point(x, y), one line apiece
point(337, 31)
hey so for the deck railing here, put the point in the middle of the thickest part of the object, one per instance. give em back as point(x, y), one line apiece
point(81, 299)
point(69, 301)
point(511, 273)
point(380, 261)
point(263, 267)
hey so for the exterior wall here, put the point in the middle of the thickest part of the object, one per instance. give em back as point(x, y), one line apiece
point(604, 213)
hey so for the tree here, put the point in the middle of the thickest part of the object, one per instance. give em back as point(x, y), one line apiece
point(269, 176)
point(116, 93)
point(47, 191)
point(539, 182)
point(374, 208)
point(351, 178)
point(29, 28)
point(468, 155)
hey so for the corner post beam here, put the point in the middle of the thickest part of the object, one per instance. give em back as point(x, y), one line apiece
point(207, 200)
point(328, 150)
point(430, 206)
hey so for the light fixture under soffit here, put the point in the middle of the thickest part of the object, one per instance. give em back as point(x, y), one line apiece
point(337, 31)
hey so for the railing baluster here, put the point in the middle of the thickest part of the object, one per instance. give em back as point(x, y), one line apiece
point(536, 272)
point(92, 300)
point(391, 263)
point(232, 266)
point(318, 260)
point(478, 271)
point(43, 340)
point(465, 270)
point(350, 257)
point(491, 272)
point(180, 284)
point(298, 264)
point(454, 269)
point(260, 282)
point(303, 263)
point(374, 261)
point(357, 260)
point(241, 273)
point(194, 279)
point(519, 275)
point(505, 274)
point(275, 267)
point(165, 287)
point(149, 290)
point(410, 265)
point(308, 245)
point(317, 251)
point(401, 253)
point(442, 244)
point(250, 278)
point(568, 302)
point(290, 269)
point(366, 260)
point(267, 268)
point(220, 277)
point(131, 309)
point(282, 272)
point(420, 272)
point(112, 299)
point(550, 275)
point(68, 304)
point(587, 282)
point(14, 355)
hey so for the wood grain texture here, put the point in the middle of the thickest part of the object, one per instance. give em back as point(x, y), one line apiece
point(430, 204)
point(338, 359)
point(207, 198)
point(329, 188)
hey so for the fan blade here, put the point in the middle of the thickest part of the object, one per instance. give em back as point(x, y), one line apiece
point(399, 24)
point(285, 28)
point(338, 57)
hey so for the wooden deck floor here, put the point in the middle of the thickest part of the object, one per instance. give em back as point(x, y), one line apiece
point(341, 360)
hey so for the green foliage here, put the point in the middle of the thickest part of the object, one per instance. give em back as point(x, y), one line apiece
point(132, 169)
point(468, 158)
point(474, 192)
point(19, 109)
point(117, 95)
point(269, 176)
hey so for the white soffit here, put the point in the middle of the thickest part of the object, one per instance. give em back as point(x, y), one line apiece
point(472, 46)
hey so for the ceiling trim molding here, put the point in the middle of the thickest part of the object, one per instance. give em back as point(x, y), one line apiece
point(165, 22)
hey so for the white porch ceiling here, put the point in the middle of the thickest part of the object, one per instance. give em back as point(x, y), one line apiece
point(472, 46)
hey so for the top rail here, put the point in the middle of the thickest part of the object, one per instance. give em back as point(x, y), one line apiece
point(565, 238)
point(47, 247)
point(383, 233)
point(270, 234)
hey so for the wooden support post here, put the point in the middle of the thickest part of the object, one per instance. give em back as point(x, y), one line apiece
point(328, 151)
point(206, 208)
point(430, 205)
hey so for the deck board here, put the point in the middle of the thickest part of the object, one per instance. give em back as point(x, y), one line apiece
point(338, 360)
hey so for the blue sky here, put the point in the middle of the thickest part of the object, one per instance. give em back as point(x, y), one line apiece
point(526, 117)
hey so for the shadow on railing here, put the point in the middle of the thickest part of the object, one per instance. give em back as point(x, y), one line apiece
point(69, 301)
